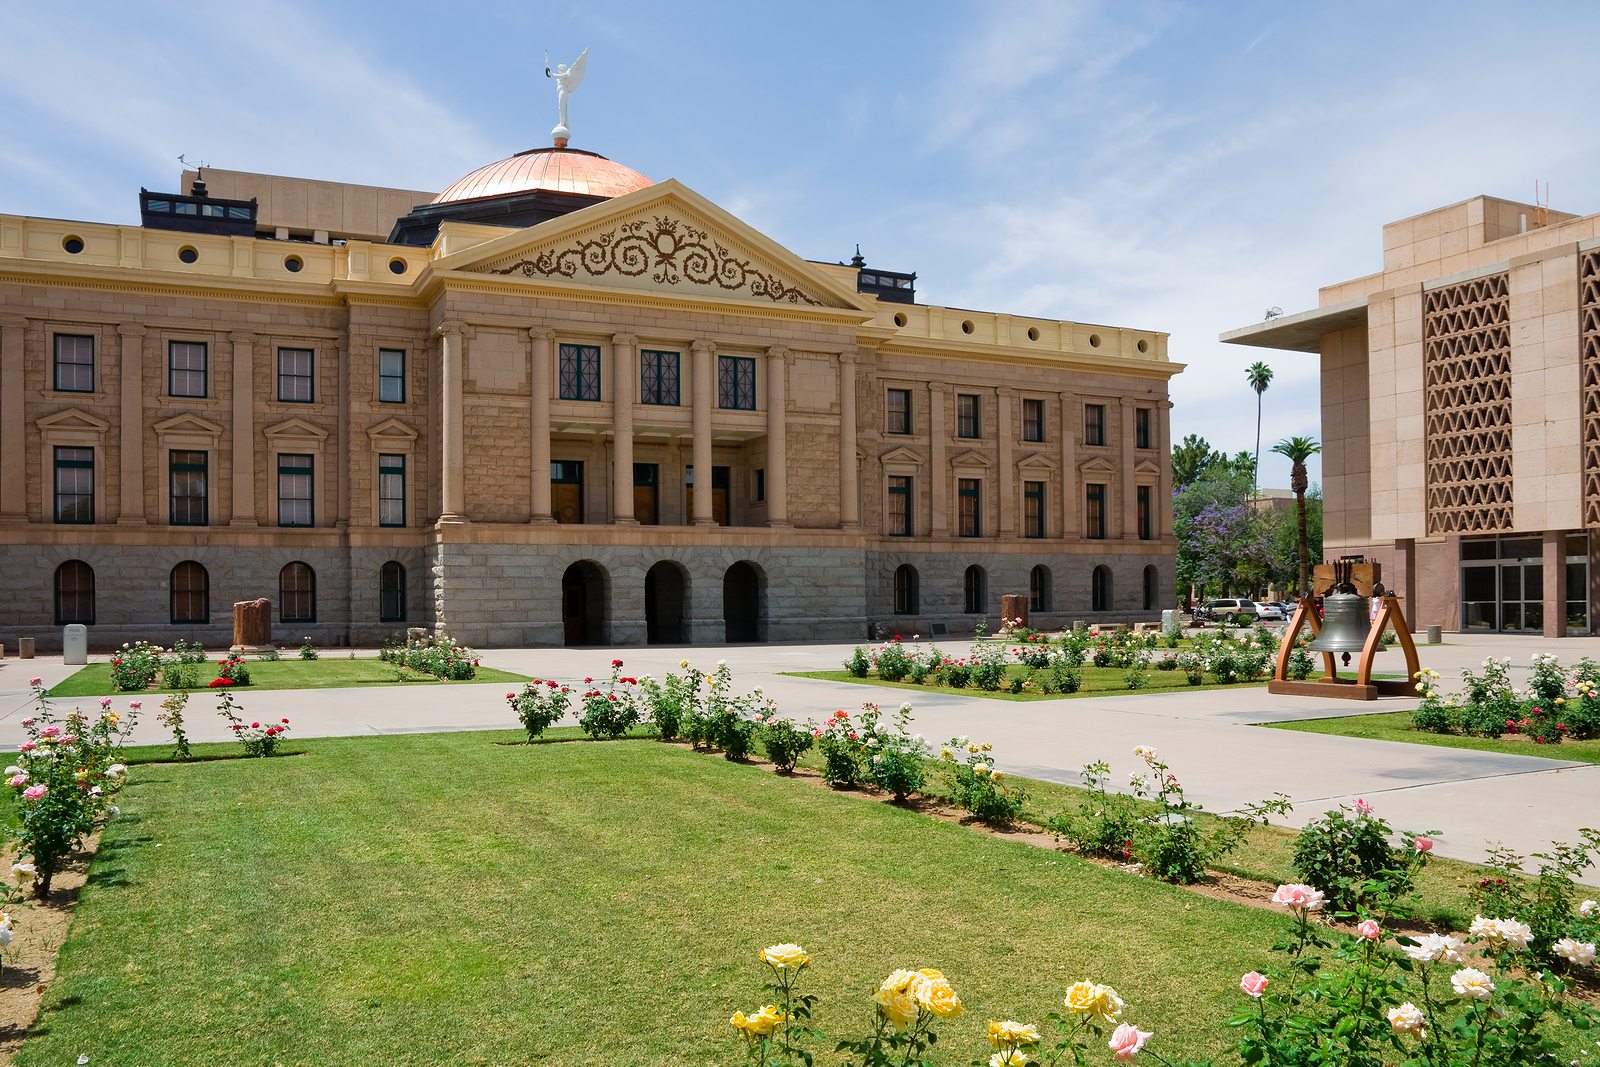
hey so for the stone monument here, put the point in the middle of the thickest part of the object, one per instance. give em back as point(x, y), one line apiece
point(1012, 607)
point(252, 626)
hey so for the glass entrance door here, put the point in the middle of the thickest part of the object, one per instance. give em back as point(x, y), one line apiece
point(1502, 584)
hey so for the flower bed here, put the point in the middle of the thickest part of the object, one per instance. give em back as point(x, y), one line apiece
point(1557, 705)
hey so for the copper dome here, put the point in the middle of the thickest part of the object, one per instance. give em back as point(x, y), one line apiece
point(557, 170)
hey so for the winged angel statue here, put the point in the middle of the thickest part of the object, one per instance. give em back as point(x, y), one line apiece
point(567, 79)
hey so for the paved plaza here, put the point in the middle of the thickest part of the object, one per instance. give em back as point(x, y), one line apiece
point(1474, 798)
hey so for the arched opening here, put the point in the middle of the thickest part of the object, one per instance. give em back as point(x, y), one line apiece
point(744, 607)
point(583, 604)
point(1039, 592)
point(905, 590)
point(1100, 589)
point(297, 593)
point(191, 593)
point(391, 592)
point(976, 586)
point(666, 604)
point(74, 593)
point(1152, 588)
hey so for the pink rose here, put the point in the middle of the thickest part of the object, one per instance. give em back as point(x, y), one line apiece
point(27, 746)
point(35, 682)
point(1369, 929)
point(1253, 985)
point(67, 739)
point(28, 722)
point(1424, 844)
point(1126, 1041)
point(50, 731)
point(17, 781)
point(35, 792)
point(1297, 896)
point(105, 702)
point(135, 705)
point(1363, 808)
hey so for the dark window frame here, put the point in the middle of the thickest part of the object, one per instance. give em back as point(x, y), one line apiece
point(660, 377)
point(1094, 511)
point(736, 383)
point(1094, 424)
point(758, 490)
point(969, 497)
point(1032, 420)
point(1100, 588)
point(398, 378)
point(907, 591)
point(390, 466)
point(975, 590)
point(392, 593)
point(287, 596)
point(1034, 521)
point(80, 615)
point(292, 381)
point(1041, 592)
point(67, 458)
point(1146, 508)
point(969, 416)
point(186, 516)
point(578, 373)
point(190, 567)
point(294, 470)
point(1142, 437)
point(191, 374)
point(901, 522)
point(897, 416)
point(57, 350)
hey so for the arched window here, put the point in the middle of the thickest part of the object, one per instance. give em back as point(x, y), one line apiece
point(1100, 589)
point(1152, 588)
point(1039, 593)
point(74, 593)
point(977, 589)
point(297, 593)
point(905, 590)
point(191, 593)
point(391, 592)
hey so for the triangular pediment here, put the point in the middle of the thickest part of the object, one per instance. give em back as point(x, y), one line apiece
point(662, 239)
point(1147, 466)
point(391, 429)
point(970, 459)
point(73, 420)
point(1098, 465)
point(901, 455)
point(295, 428)
point(1035, 461)
point(189, 425)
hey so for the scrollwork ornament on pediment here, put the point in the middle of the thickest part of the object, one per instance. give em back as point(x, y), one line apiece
point(670, 251)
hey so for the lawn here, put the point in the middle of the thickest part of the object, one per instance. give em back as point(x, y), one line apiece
point(95, 679)
point(1097, 681)
point(428, 899)
point(1396, 726)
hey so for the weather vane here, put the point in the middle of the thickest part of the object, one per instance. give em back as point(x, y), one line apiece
point(567, 79)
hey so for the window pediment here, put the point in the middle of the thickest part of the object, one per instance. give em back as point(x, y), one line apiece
point(295, 435)
point(1147, 466)
point(72, 421)
point(900, 457)
point(1036, 461)
point(1098, 465)
point(188, 430)
point(970, 460)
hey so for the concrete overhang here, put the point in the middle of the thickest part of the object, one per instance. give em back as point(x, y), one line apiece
point(1302, 331)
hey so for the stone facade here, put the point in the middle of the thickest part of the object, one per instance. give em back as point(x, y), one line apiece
point(1460, 415)
point(481, 415)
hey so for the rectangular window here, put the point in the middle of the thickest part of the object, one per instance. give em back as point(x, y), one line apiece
point(1094, 424)
point(566, 490)
point(736, 383)
point(967, 415)
point(74, 363)
point(580, 372)
point(647, 493)
point(74, 485)
point(186, 368)
point(295, 481)
point(899, 506)
point(1033, 509)
point(1144, 493)
point(1141, 428)
point(187, 471)
point(392, 375)
point(294, 375)
point(391, 490)
point(1095, 513)
point(1033, 420)
point(898, 405)
point(658, 378)
point(758, 491)
point(969, 492)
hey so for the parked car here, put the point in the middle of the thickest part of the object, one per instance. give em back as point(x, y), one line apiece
point(1226, 608)
point(1271, 611)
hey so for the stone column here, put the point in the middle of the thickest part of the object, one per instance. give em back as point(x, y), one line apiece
point(539, 423)
point(1127, 495)
point(1070, 489)
point(624, 376)
point(849, 469)
point(342, 450)
point(704, 394)
point(13, 435)
point(777, 436)
point(452, 474)
point(1163, 502)
point(243, 431)
point(1555, 584)
point(130, 467)
point(938, 472)
point(1005, 429)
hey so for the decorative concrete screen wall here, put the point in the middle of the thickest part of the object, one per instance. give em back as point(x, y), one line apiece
point(1589, 302)
point(1467, 386)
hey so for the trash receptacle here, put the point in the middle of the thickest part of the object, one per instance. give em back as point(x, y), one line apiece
point(24, 648)
point(75, 644)
point(1435, 635)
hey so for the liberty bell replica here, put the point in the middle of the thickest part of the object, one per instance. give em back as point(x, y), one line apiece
point(1346, 617)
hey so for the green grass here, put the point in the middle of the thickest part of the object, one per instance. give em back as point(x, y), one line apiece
point(95, 679)
point(1396, 726)
point(1097, 681)
point(434, 899)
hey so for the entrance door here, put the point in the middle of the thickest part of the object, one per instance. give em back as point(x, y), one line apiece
point(574, 616)
point(566, 490)
point(646, 493)
point(583, 605)
point(742, 607)
point(665, 597)
point(720, 478)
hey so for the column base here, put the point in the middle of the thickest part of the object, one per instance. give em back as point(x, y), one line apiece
point(452, 520)
point(624, 522)
point(243, 522)
point(705, 522)
point(780, 524)
point(542, 520)
point(131, 522)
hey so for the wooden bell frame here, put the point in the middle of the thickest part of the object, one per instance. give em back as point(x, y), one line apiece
point(1363, 686)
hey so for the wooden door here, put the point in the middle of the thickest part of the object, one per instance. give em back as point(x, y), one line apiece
point(566, 501)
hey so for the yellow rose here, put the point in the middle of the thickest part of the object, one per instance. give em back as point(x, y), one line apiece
point(785, 957)
point(1080, 998)
point(998, 776)
point(986, 746)
point(898, 1006)
point(974, 749)
point(1106, 1006)
point(765, 1021)
point(981, 770)
point(935, 997)
point(1010, 1058)
point(683, 663)
point(947, 755)
point(1011, 1032)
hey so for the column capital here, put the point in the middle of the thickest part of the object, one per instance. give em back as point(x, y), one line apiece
point(127, 329)
point(542, 333)
point(1130, 401)
point(1164, 405)
point(702, 345)
point(1007, 392)
point(849, 358)
point(450, 328)
point(778, 352)
point(624, 340)
point(14, 322)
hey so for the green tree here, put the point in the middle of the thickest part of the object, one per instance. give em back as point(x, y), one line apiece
point(1259, 376)
point(1298, 450)
point(1224, 543)
point(1191, 459)
point(1284, 569)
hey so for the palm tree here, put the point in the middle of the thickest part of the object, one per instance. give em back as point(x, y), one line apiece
point(1298, 450)
point(1259, 375)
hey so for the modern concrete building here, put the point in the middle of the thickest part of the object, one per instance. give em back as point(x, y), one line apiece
point(557, 402)
point(1461, 414)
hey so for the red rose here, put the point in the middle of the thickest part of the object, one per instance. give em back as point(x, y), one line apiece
point(616, 663)
point(283, 720)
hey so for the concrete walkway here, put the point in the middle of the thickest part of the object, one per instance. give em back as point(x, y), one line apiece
point(1474, 798)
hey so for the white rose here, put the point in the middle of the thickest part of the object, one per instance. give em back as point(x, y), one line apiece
point(1406, 1019)
point(1579, 953)
point(1472, 984)
point(1588, 908)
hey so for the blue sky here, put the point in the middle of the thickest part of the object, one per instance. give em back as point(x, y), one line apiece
point(1170, 166)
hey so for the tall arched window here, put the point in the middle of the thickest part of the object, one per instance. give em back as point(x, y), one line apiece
point(1100, 589)
point(905, 590)
point(977, 589)
point(297, 593)
point(391, 592)
point(74, 593)
point(191, 593)
point(1039, 592)
point(1152, 588)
